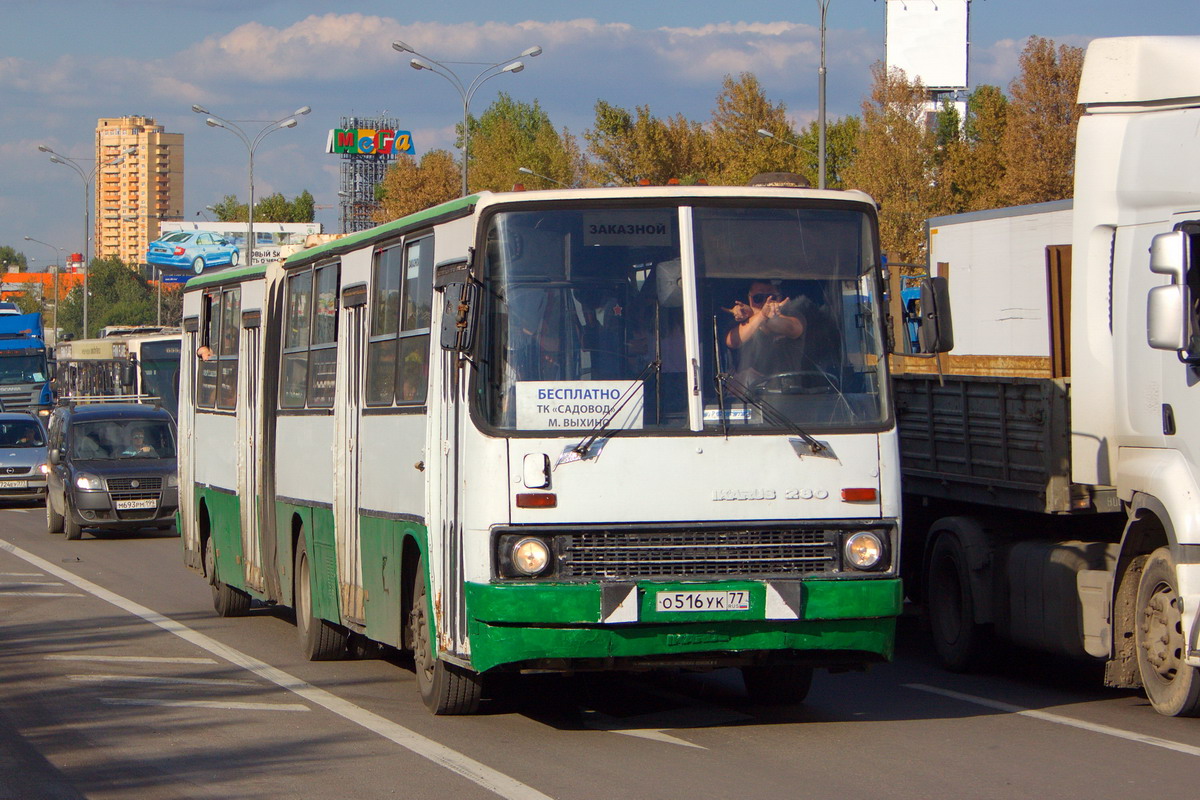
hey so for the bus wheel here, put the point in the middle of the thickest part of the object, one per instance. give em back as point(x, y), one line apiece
point(777, 684)
point(445, 688)
point(1172, 686)
point(320, 640)
point(227, 601)
point(960, 642)
point(54, 520)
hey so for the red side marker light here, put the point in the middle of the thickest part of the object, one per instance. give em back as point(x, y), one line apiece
point(537, 500)
point(864, 495)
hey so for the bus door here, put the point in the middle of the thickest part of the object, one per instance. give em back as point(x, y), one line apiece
point(348, 415)
point(186, 450)
point(248, 462)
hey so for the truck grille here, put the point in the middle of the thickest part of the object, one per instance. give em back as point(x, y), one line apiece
point(695, 553)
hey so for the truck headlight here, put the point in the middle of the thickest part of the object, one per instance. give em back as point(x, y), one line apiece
point(85, 480)
point(864, 550)
point(530, 556)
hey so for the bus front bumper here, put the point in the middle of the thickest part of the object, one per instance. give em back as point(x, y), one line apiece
point(848, 622)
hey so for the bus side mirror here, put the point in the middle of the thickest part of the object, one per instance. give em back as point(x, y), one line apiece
point(1168, 308)
point(458, 316)
point(51, 370)
point(55, 457)
point(935, 330)
point(129, 373)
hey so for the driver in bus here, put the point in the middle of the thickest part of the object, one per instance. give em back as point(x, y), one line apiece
point(768, 333)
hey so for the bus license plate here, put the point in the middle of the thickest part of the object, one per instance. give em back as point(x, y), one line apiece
point(14, 484)
point(130, 505)
point(738, 600)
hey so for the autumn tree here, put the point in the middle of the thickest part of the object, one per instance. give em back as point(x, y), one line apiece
point(1038, 143)
point(272, 208)
point(410, 186)
point(742, 110)
point(626, 147)
point(896, 161)
point(972, 167)
point(511, 134)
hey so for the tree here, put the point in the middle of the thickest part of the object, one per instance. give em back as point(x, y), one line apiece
point(119, 296)
point(1038, 145)
point(742, 109)
point(627, 147)
point(896, 163)
point(409, 186)
point(973, 167)
point(510, 134)
point(272, 208)
point(12, 260)
point(841, 142)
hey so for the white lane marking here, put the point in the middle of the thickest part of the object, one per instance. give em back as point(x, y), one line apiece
point(131, 659)
point(1058, 719)
point(655, 726)
point(477, 772)
point(40, 594)
point(157, 681)
point(218, 704)
point(35, 583)
point(22, 574)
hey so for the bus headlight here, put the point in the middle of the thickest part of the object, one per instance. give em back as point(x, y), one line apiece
point(530, 556)
point(864, 550)
point(85, 480)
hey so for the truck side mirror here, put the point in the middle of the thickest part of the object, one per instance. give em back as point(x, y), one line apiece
point(935, 330)
point(1168, 308)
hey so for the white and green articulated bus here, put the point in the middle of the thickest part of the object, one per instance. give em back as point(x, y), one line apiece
point(559, 430)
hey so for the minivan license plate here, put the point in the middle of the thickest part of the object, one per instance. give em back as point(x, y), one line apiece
point(737, 600)
point(130, 505)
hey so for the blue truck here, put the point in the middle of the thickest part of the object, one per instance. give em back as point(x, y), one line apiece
point(24, 371)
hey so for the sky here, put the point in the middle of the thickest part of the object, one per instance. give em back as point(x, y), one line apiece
point(66, 63)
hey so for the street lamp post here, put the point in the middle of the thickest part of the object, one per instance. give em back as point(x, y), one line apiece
point(824, 6)
point(528, 171)
point(467, 90)
point(766, 134)
point(86, 177)
point(57, 255)
point(252, 143)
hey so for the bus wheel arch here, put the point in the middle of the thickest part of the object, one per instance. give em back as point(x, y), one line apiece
point(227, 601)
point(320, 639)
point(445, 688)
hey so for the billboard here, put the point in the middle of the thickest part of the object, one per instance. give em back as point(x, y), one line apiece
point(928, 40)
point(369, 142)
point(272, 240)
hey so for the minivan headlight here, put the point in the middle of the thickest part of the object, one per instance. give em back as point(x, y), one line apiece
point(86, 480)
point(173, 480)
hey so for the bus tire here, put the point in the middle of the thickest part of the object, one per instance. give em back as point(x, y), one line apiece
point(446, 689)
point(54, 520)
point(1172, 686)
point(960, 642)
point(777, 684)
point(227, 601)
point(320, 640)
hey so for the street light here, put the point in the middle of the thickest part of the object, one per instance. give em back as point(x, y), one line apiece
point(467, 90)
point(766, 134)
point(824, 6)
point(57, 254)
point(528, 171)
point(252, 143)
point(86, 177)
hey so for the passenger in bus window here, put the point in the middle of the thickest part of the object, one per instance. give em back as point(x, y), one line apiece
point(204, 352)
point(768, 333)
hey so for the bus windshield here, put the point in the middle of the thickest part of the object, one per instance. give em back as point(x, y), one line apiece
point(160, 372)
point(588, 309)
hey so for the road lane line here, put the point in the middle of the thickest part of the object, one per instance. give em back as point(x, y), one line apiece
point(131, 659)
point(461, 764)
point(34, 583)
point(157, 681)
point(1058, 719)
point(22, 574)
point(40, 594)
point(223, 705)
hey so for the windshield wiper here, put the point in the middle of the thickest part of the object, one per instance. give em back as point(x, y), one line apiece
point(726, 382)
point(654, 367)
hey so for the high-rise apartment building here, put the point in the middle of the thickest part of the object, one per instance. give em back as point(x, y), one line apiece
point(137, 190)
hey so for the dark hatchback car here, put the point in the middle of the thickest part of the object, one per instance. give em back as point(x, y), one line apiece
point(112, 465)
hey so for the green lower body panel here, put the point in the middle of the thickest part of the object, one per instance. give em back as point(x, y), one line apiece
point(225, 532)
point(849, 620)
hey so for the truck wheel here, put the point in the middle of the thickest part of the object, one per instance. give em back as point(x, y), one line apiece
point(320, 640)
point(54, 520)
point(227, 601)
point(960, 642)
point(777, 684)
point(445, 688)
point(1172, 686)
point(198, 265)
